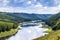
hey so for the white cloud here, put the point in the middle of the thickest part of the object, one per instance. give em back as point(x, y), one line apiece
point(5, 2)
point(38, 8)
point(41, 10)
point(38, 5)
point(12, 9)
point(29, 2)
point(51, 10)
point(57, 1)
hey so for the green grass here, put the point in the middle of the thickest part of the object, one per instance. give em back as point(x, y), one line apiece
point(8, 33)
point(51, 36)
point(49, 30)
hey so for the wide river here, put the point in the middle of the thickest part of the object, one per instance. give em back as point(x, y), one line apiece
point(29, 31)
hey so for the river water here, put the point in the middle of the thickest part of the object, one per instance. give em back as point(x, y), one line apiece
point(29, 32)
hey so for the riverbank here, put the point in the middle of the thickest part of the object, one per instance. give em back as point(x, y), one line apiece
point(52, 36)
point(8, 33)
point(49, 29)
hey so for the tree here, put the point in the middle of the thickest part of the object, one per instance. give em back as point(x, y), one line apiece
point(7, 28)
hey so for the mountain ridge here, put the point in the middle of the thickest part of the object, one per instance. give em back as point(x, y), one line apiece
point(20, 17)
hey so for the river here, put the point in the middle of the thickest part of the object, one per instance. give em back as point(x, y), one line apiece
point(29, 32)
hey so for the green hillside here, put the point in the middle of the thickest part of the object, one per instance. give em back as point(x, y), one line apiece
point(22, 17)
point(7, 25)
point(52, 36)
point(53, 19)
point(54, 23)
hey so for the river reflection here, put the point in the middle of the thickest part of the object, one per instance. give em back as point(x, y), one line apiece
point(29, 33)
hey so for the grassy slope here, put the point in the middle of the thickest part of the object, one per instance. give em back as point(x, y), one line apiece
point(54, 22)
point(8, 33)
point(51, 36)
point(6, 20)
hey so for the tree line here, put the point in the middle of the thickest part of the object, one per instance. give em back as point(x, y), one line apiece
point(4, 26)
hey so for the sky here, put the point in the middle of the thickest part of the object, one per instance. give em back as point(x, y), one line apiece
point(30, 6)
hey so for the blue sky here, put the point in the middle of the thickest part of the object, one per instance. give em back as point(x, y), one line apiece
point(30, 6)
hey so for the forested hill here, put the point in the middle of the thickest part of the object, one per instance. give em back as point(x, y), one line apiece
point(54, 23)
point(21, 17)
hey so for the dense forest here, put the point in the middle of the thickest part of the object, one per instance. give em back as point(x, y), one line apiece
point(54, 23)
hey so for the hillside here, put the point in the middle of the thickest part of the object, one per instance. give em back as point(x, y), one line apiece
point(52, 36)
point(53, 19)
point(21, 17)
point(54, 23)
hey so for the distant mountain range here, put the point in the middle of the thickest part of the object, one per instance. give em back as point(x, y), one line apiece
point(21, 17)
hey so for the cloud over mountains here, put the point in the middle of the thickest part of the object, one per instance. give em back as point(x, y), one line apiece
point(30, 6)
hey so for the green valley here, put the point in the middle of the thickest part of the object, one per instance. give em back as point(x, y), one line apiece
point(9, 21)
